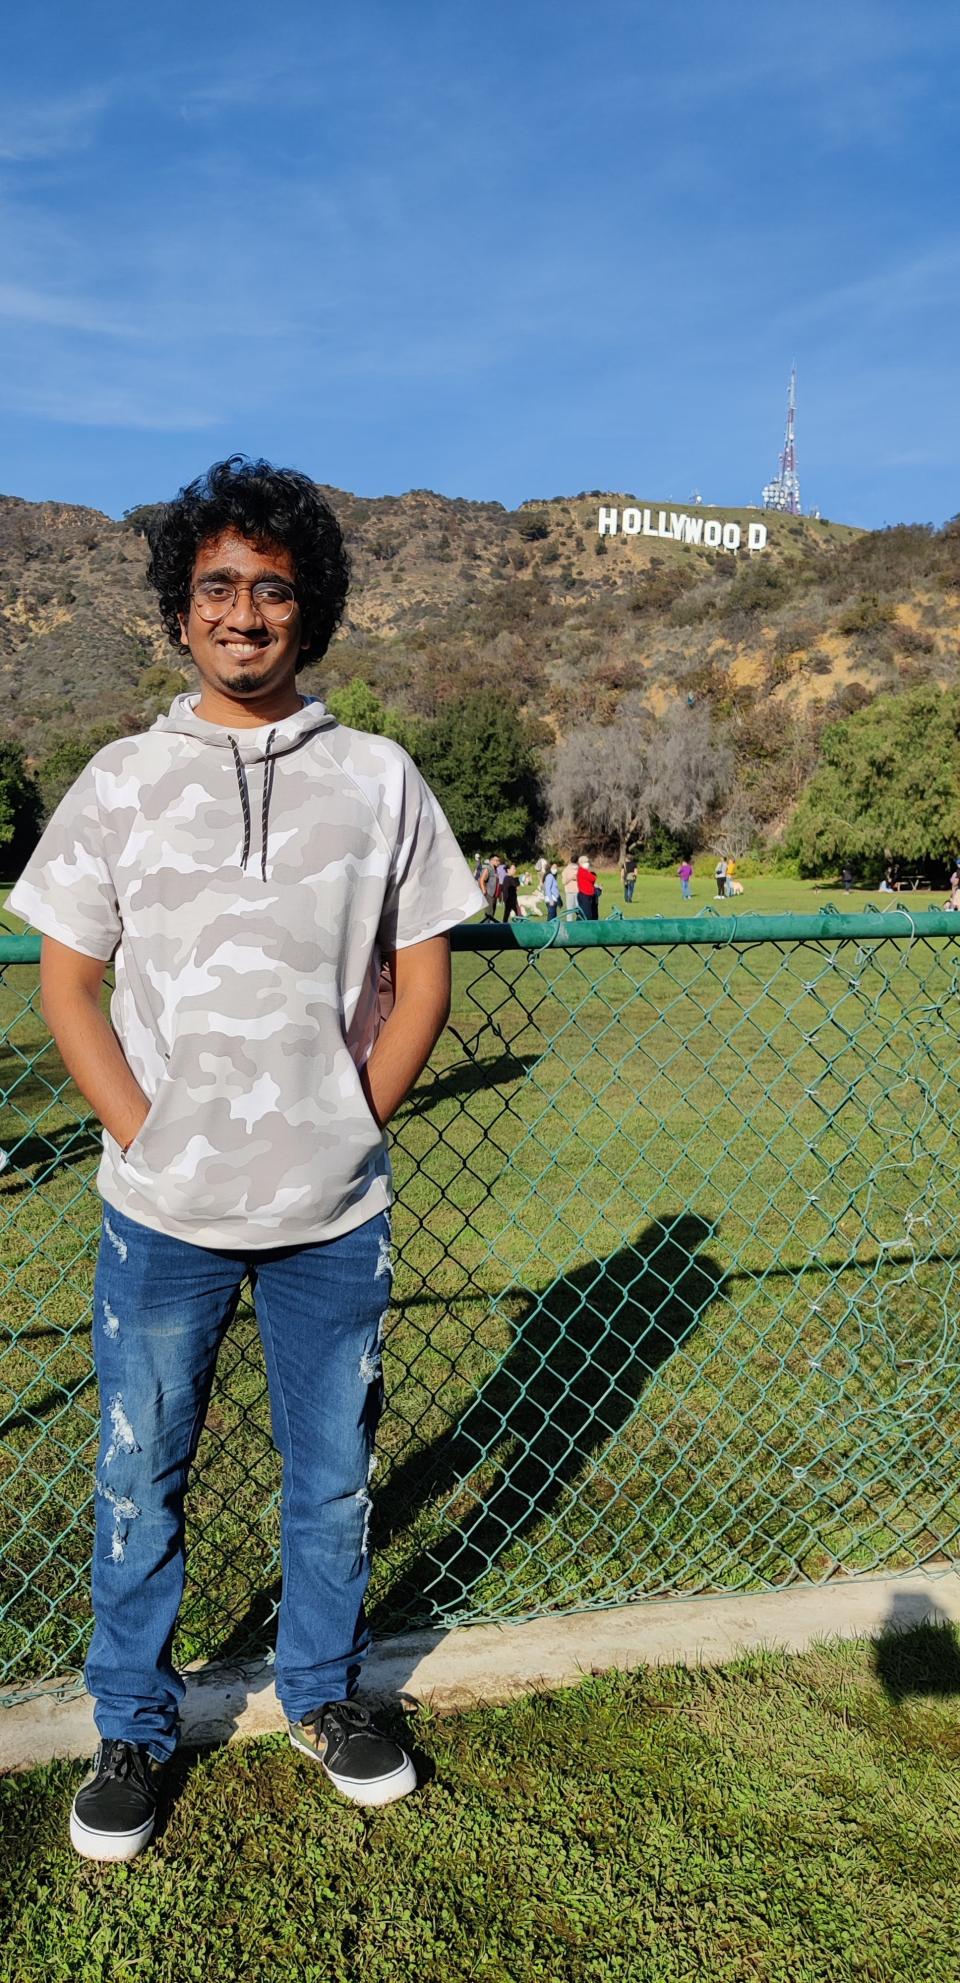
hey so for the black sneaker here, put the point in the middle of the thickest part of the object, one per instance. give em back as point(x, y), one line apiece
point(115, 1808)
point(361, 1761)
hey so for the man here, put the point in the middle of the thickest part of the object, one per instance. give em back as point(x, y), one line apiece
point(570, 886)
point(247, 864)
point(489, 888)
point(628, 876)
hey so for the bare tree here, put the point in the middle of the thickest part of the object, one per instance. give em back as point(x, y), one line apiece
point(737, 828)
point(692, 768)
point(598, 782)
point(609, 782)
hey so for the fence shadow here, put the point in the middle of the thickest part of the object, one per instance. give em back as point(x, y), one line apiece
point(570, 1382)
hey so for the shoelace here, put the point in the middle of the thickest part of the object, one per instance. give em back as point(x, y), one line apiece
point(120, 1760)
point(340, 1711)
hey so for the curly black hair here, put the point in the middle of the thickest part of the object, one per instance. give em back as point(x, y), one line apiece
point(270, 506)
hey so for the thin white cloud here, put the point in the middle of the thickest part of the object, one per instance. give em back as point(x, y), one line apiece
point(21, 304)
point(120, 407)
point(33, 131)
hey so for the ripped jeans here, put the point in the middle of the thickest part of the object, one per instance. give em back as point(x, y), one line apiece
point(161, 1307)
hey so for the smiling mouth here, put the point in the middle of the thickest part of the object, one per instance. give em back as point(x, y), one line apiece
point(243, 650)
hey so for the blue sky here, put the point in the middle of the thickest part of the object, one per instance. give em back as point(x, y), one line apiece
point(502, 252)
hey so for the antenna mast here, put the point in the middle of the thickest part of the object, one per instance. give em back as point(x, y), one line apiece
point(784, 492)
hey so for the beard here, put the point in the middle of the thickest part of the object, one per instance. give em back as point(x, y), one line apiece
point(244, 683)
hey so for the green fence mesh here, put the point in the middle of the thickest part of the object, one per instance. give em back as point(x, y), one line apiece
point(675, 1301)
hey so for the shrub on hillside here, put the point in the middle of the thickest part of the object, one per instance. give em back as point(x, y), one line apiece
point(865, 614)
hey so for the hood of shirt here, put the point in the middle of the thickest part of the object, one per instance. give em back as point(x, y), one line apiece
point(253, 745)
point(262, 745)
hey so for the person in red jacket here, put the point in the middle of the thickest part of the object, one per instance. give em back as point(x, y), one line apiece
point(588, 892)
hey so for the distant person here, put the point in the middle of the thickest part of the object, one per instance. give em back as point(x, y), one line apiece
point(551, 893)
point(628, 875)
point(588, 891)
point(501, 872)
point(720, 876)
point(847, 879)
point(508, 893)
point(685, 871)
point(569, 879)
point(728, 887)
point(490, 889)
point(542, 865)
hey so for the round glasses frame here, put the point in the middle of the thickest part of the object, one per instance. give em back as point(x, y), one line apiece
point(272, 599)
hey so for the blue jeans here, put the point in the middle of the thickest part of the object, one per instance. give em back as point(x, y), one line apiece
point(685, 890)
point(161, 1308)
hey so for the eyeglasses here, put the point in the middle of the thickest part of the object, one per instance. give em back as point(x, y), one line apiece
point(271, 597)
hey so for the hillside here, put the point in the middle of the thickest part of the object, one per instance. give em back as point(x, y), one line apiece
point(450, 595)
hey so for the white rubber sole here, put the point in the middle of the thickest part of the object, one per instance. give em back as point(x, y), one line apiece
point(384, 1790)
point(108, 1845)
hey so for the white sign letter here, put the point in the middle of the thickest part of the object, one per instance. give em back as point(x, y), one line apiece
point(630, 523)
point(756, 536)
point(607, 522)
point(693, 529)
point(731, 536)
point(711, 531)
point(677, 524)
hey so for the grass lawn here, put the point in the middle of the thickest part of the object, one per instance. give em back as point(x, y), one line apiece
point(675, 1306)
point(790, 1820)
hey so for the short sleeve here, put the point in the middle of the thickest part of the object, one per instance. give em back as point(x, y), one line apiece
point(430, 887)
point(66, 889)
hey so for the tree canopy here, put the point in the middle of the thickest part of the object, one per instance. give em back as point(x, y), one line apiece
point(888, 786)
point(360, 708)
point(21, 807)
point(481, 758)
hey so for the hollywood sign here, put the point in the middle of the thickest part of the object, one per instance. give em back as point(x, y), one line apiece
point(678, 528)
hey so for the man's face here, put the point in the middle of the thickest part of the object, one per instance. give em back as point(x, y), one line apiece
point(247, 653)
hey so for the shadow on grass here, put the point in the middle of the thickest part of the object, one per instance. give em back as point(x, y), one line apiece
point(917, 1656)
point(34, 1160)
point(470, 1078)
point(571, 1380)
point(570, 1383)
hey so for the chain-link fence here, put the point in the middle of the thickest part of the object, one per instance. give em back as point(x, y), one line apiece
point(675, 1301)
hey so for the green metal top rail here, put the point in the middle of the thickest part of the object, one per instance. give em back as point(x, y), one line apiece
point(707, 927)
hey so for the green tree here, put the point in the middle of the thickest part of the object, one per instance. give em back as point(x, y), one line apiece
point(360, 708)
point(888, 785)
point(482, 759)
point(21, 807)
point(66, 759)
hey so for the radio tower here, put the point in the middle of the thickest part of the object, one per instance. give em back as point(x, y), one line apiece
point(784, 492)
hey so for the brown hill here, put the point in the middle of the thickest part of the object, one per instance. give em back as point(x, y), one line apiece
point(449, 595)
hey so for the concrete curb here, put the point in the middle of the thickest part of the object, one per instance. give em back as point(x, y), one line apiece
point(486, 1663)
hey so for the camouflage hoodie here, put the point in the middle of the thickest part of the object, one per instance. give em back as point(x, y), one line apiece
point(245, 884)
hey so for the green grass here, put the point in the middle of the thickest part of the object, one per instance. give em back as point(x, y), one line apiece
point(795, 1820)
point(675, 1304)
